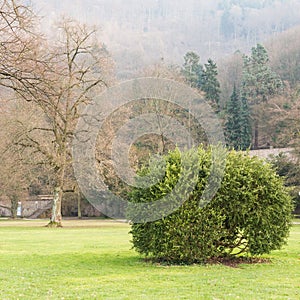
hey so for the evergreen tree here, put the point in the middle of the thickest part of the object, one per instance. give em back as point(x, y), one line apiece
point(246, 131)
point(259, 82)
point(232, 125)
point(192, 69)
point(210, 83)
point(237, 126)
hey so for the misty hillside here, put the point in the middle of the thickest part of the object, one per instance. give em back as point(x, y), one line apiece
point(139, 33)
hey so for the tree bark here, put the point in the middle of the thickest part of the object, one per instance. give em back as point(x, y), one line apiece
point(56, 218)
point(14, 206)
point(79, 205)
point(255, 134)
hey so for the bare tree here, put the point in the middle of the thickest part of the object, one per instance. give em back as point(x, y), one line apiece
point(19, 63)
point(59, 78)
point(76, 70)
point(18, 170)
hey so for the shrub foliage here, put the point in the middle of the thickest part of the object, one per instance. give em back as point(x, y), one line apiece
point(250, 214)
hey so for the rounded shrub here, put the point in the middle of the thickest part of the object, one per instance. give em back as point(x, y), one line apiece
point(250, 213)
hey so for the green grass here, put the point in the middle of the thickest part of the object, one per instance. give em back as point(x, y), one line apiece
point(92, 259)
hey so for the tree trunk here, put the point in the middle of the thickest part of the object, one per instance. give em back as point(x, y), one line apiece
point(14, 206)
point(79, 204)
point(255, 134)
point(56, 216)
point(55, 220)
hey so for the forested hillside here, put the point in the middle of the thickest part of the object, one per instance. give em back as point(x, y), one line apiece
point(139, 33)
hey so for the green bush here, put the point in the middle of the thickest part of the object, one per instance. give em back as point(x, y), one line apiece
point(250, 214)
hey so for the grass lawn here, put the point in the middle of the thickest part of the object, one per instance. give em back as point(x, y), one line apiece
point(91, 259)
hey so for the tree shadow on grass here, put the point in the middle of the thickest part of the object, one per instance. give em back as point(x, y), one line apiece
point(233, 262)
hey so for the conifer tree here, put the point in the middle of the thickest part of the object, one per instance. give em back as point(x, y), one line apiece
point(237, 126)
point(246, 131)
point(210, 82)
point(232, 125)
point(259, 82)
point(192, 69)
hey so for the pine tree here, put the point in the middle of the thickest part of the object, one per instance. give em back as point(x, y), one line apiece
point(192, 69)
point(259, 82)
point(246, 131)
point(237, 126)
point(210, 83)
point(232, 126)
